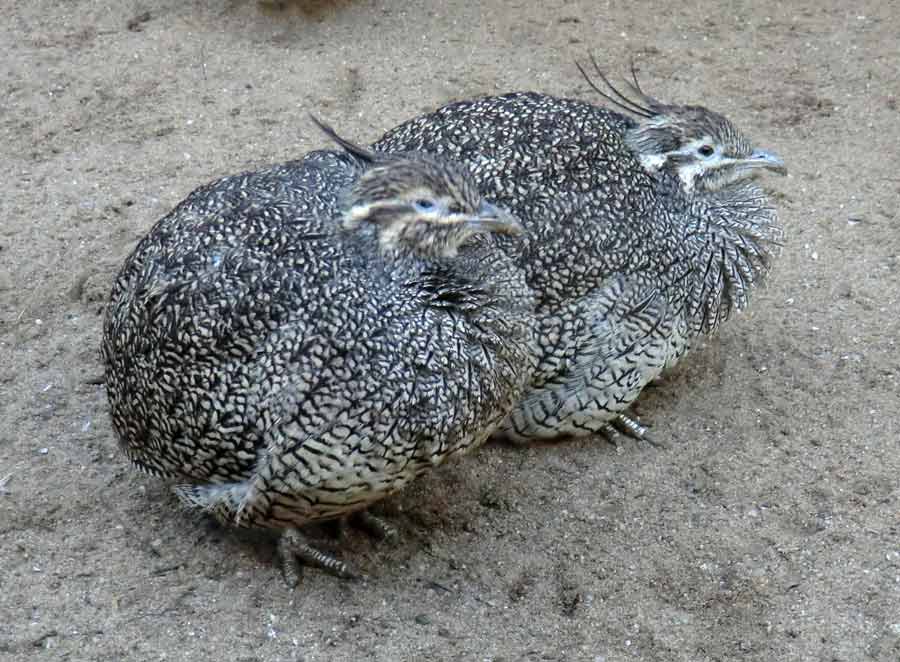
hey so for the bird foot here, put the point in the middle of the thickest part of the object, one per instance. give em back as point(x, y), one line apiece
point(375, 526)
point(629, 427)
point(293, 548)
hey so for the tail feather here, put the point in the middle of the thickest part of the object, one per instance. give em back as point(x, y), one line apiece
point(220, 501)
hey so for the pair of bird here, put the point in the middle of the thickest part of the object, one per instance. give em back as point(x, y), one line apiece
point(297, 343)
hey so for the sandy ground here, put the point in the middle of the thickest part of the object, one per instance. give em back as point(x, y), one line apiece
point(769, 529)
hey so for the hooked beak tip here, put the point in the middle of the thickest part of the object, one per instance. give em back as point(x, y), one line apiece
point(769, 161)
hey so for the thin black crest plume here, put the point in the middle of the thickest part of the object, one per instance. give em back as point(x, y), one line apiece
point(603, 94)
point(619, 100)
point(627, 100)
point(363, 154)
point(637, 86)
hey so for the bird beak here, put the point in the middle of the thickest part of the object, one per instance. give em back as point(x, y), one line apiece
point(767, 160)
point(491, 218)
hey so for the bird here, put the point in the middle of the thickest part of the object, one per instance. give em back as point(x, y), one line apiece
point(294, 344)
point(645, 226)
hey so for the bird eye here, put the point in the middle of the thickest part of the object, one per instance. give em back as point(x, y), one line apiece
point(425, 205)
point(706, 150)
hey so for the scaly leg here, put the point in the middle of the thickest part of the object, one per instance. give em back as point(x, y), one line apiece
point(375, 526)
point(222, 502)
point(293, 547)
point(629, 427)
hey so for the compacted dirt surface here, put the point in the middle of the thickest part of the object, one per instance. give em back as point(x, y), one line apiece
point(767, 529)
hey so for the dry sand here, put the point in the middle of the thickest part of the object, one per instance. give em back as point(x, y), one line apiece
point(768, 530)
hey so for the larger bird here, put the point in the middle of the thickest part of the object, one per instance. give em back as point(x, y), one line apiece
point(293, 345)
point(645, 230)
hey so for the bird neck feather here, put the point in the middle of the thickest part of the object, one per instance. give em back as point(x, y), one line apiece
point(732, 234)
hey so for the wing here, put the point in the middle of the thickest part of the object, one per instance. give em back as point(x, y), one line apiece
point(623, 346)
point(188, 314)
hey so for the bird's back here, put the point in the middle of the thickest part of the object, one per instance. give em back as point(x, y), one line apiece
point(245, 320)
point(563, 167)
point(627, 265)
point(196, 302)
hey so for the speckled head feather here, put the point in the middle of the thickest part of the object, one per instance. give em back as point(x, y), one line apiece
point(406, 176)
point(703, 148)
point(417, 202)
point(414, 178)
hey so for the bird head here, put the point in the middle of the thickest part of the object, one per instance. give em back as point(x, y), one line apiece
point(417, 202)
point(701, 147)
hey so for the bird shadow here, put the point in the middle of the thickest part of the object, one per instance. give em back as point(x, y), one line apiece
point(309, 9)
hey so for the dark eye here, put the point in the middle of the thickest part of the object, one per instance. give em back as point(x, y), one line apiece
point(706, 150)
point(425, 205)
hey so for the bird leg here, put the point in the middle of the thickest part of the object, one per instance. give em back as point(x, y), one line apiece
point(293, 547)
point(375, 526)
point(630, 427)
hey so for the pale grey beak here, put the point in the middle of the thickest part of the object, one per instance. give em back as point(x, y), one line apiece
point(491, 218)
point(767, 160)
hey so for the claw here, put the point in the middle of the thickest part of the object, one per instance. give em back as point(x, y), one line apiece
point(631, 427)
point(292, 546)
point(611, 434)
point(375, 526)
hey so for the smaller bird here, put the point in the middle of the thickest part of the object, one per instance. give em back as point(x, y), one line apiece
point(296, 344)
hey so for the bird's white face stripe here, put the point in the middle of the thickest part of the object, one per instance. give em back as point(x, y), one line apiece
point(693, 149)
point(699, 163)
point(652, 162)
point(356, 214)
point(440, 214)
